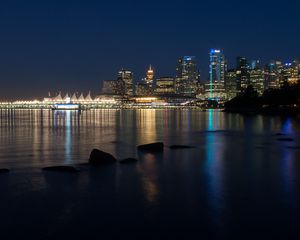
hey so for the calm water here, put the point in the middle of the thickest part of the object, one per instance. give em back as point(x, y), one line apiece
point(239, 182)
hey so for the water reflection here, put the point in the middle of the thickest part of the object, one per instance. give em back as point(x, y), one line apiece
point(287, 126)
point(149, 172)
point(146, 122)
point(214, 166)
point(236, 175)
point(68, 141)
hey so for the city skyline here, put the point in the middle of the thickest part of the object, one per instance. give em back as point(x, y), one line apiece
point(63, 45)
point(249, 64)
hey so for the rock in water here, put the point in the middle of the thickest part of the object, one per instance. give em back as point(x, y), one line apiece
point(285, 139)
point(128, 160)
point(180, 147)
point(99, 158)
point(69, 169)
point(152, 147)
point(4, 170)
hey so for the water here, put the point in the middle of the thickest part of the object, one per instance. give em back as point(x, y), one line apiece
point(238, 182)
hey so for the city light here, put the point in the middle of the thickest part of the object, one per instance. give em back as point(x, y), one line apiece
point(175, 91)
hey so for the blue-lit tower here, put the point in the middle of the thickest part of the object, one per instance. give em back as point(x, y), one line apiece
point(215, 89)
point(217, 67)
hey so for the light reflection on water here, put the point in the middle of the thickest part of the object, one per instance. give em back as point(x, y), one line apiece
point(214, 167)
point(237, 158)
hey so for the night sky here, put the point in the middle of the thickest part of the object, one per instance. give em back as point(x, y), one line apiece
point(74, 45)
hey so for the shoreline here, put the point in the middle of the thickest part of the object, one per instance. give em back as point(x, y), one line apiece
point(265, 111)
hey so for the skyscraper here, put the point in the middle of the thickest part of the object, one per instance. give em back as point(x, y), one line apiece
point(273, 76)
point(150, 76)
point(215, 89)
point(242, 73)
point(165, 86)
point(109, 87)
point(254, 64)
point(230, 84)
point(142, 89)
point(217, 67)
point(290, 73)
point(187, 76)
point(145, 86)
point(257, 79)
point(126, 77)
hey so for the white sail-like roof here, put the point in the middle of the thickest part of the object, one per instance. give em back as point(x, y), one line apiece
point(88, 98)
point(67, 97)
point(58, 97)
point(81, 98)
point(74, 97)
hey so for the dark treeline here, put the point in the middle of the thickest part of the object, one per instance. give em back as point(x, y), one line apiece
point(283, 100)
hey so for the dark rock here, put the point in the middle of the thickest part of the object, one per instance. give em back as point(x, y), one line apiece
point(99, 158)
point(286, 139)
point(180, 147)
point(293, 147)
point(152, 147)
point(116, 142)
point(128, 160)
point(83, 164)
point(69, 169)
point(4, 170)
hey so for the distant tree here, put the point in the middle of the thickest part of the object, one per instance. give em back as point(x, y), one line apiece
point(248, 99)
point(286, 95)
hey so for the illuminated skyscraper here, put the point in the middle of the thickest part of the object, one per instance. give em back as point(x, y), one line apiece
point(290, 73)
point(217, 66)
point(257, 79)
point(146, 85)
point(150, 75)
point(230, 84)
point(142, 89)
point(254, 64)
point(242, 73)
point(273, 74)
point(187, 76)
point(109, 87)
point(165, 86)
point(126, 77)
point(215, 89)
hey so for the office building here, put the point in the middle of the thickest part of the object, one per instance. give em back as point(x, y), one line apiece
point(230, 84)
point(143, 89)
point(125, 78)
point(165, 86)
point(150, 76)
point(242, 73)
point(215, 89)
point(273, 74)
point(187, 76)
point(257, 80)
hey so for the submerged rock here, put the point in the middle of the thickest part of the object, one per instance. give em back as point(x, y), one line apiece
point(286, 139)
point(280, 134)
point(83, 164)
point(180, 147)
point(128, 160)
point(4, 170)
point(152, 147)
point(70, 169)
point(98, 158)
point(116, 142)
